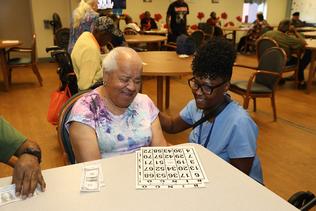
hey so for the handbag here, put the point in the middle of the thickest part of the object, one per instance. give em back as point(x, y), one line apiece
point(57, 99)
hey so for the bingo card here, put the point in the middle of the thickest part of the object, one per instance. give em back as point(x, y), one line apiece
point(168, 167)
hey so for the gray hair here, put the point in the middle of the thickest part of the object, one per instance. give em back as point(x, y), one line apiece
point(110, 63)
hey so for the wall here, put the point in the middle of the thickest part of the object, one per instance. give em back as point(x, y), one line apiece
point(13, 26)
point(277, 11)
point(43, 9)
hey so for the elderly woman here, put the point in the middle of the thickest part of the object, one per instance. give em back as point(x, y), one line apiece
point(83, 18)
point(114, 118)
point(219, 124)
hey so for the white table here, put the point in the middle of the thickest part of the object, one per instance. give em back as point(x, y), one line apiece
point(228, 189)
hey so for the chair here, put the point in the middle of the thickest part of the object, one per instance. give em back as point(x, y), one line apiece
point(63, 136)
point(29, 61)
point(61, 38)
point(198, 38)
point(304, 200)
point(263, 82)
point(65, 70)
point(264, 43)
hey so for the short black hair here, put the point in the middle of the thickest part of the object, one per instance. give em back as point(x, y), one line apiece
point(260, 16)
point(215, 59)
point(284, 25)
point(296, 14)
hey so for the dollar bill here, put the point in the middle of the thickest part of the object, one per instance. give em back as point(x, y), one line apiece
point(7, 194)
point(92, 178)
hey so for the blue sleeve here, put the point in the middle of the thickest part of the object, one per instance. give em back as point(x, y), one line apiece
point(243, 140)
point(186, 113)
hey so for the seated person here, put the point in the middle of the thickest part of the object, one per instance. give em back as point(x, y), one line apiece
point(27, 172)
point(213, 20)
point(115, 119)
point(295, 21)
point(259, 27)
point(117, 35)
point(148, 23)
point(86, 54)
point(292, 41)
point(228, 130)
point(130, 24)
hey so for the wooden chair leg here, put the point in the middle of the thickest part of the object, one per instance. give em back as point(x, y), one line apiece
point(273, 107)
point(10, 76)
point(38, 75)
point(246, 102)
point(254, 104)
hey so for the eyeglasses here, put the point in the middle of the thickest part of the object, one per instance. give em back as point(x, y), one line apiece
point(206, 89)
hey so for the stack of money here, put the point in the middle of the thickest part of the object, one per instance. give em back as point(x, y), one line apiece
point(92, 178)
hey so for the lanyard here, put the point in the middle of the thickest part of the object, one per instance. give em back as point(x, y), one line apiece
point(208, 135)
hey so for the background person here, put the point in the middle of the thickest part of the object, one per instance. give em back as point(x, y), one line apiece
point(148, 23)
point(86, 54)
point(292, 41)
point(176, 19)
point(82, 19)
point(228, 132)
point(130, 24)
point(27, 172)
point(114, 119)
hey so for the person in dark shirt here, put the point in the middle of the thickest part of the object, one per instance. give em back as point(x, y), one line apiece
point(295, 21)
point(177, 19)
point(148, 23)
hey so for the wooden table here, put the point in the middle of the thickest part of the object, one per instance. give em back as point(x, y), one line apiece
point(162, 65)
point(156, 32)
point(306, 29)
point(227, 189)
point(234, 30)
point(310, 34)
point(311, 44)
point(142, 38)
point(3, 60)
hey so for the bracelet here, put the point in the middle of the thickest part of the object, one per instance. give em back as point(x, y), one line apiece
point(35, 152)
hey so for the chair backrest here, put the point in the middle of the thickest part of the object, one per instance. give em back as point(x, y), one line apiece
point(263, 44)
point(304, 200)
point(62, 133)
point(130, 31)
point(198, 37)
point(272, 60)
point(65, 70)
point(61, 38)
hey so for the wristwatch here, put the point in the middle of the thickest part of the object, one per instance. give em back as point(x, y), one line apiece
point(35, 152)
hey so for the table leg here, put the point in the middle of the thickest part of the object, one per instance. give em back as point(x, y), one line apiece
point(160, 92)
point(234, 38)
point(167, 98)
point(5, 70)
point(311, 72)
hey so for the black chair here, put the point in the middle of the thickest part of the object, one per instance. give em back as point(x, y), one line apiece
point(265, 43)
point(65, 70)
point(198, 38)
point(263, 82)
point(303, 200)
point(61, 38)
point(63, 136)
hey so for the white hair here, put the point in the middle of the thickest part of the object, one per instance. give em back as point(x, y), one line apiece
point(80, 12)
point(110, 64)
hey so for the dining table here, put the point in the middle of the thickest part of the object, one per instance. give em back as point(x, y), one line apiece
point(163, 65)
point(5, 44)
point(234, 30)
point(145, 38)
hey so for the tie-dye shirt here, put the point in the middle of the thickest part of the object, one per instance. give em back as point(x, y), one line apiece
point(116, 134)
